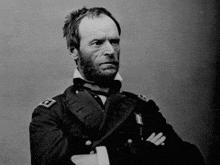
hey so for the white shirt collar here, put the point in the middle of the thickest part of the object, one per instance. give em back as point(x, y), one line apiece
point(77, 74)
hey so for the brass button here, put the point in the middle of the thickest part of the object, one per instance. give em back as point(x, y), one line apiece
point(130, 140)
point(88, 143)
point(92, 152)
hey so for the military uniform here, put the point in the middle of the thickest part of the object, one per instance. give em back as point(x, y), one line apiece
point(76, 122)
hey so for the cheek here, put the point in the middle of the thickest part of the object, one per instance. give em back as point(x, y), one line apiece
point(88, 54)
point(117, 54)
point(97, 56)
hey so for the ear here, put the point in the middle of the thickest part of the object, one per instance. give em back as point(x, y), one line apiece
point(74, 54)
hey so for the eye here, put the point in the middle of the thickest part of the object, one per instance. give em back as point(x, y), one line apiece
point(115, 41)
point(97, 42)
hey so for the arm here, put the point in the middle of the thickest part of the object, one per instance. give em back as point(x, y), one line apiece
point(47, 141)
point(127, 146)
point(55, 136)
point(174, 150)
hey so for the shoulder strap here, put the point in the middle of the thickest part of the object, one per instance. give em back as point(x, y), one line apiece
point(143, 101)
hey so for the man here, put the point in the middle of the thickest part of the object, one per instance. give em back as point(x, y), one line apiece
point(94, 112)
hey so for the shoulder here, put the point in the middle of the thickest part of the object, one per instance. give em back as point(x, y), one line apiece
point(56, 102)
point(134, 96)
point(142, 101)
point(58, 99)
point(139, 97)
point(50, 105)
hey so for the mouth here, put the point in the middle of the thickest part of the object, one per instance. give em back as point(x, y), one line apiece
point(110, 63)
point(109, 66)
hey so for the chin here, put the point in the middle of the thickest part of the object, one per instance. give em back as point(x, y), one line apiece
point(109, 73)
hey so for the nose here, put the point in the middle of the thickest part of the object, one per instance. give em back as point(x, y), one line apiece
point(109, 49)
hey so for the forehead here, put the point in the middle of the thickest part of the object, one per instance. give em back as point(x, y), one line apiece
point(97, 26)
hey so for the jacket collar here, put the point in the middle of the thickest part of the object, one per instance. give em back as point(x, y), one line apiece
point(84, 106)
point(118, 108)
point(89, 112)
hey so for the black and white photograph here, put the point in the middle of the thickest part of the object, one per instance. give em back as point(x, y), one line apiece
point(120, 82)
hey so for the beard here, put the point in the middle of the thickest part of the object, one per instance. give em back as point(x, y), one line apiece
point(93, 73)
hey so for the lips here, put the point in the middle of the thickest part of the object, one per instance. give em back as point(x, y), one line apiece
point(110, 62)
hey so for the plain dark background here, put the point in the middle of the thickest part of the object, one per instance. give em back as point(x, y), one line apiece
point(169, 52)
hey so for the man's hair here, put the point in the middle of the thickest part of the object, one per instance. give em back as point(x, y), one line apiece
point(71, 25)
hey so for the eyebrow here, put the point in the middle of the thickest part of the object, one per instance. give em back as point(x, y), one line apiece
point(97, 39)
point(104, 38)
point(118, 39)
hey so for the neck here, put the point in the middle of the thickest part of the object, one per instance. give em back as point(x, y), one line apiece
point(102, 83)
point(97, 88)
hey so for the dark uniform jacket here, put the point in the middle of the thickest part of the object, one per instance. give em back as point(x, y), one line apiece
point(60, 128)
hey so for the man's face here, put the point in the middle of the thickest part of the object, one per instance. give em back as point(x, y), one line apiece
point(99, 48)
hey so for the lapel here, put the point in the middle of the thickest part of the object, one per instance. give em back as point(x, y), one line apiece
point(118, 108)
point(84, 107)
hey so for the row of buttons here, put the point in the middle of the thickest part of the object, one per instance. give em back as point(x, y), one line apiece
point(89, 143)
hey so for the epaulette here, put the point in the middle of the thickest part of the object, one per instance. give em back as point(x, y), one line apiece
point(137, 96)
point(142, 97)
point(48, 103)
point(150, 103)
point(128, 94)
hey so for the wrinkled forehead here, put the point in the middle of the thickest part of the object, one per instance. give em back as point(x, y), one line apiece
point(97, 25)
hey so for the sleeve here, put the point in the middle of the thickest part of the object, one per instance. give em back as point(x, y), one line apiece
point(49, 144)
point(175, 150)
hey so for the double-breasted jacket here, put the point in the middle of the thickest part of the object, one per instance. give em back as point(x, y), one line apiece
point(75, 123)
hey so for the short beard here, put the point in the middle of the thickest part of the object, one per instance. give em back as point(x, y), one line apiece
point(93, 74)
